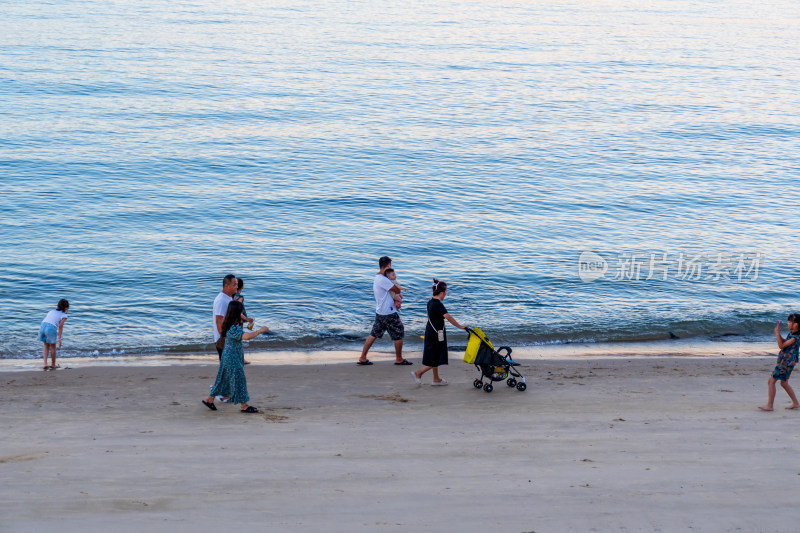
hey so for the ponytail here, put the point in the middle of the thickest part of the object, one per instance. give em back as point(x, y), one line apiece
point(438, 286)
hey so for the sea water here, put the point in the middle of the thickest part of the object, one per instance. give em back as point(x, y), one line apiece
point(577, 171)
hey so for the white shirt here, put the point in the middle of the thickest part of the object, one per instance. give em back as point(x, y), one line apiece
point(384, 303)
point(54, 317)
point(220, 308)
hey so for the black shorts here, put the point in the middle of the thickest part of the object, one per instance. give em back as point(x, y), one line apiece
point(390, 323)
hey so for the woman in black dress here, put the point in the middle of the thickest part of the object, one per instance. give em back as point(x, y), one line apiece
point(434, 353)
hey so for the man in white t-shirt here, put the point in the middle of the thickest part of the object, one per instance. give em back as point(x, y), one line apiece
point(386, 317)
point(229, 287)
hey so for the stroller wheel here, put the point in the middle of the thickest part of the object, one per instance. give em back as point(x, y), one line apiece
point(511, 382)
point(521, 387)
point(477, 384)
point(488, 387)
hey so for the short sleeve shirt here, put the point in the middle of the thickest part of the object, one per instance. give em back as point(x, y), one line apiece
point(436, 312)
point(791, 353)
point(54, 317)
point(220, 308)
point(384, 303)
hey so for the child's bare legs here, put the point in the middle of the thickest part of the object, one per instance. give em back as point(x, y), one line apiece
point(790, 392)
point(51, 350)
point(770, 395)
point(53, 364)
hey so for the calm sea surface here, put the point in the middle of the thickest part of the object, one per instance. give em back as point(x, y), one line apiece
point(149, 148)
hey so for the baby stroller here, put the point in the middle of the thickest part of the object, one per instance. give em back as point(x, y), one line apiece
point(493, 365)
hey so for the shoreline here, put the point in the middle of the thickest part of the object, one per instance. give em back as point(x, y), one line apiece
point(689, 348)
point(413, 343)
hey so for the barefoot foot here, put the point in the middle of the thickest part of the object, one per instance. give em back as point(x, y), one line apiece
point(765, 408)
point(794, 406)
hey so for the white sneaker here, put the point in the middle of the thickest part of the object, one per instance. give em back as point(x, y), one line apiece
point(439, 383)
point(416, 379)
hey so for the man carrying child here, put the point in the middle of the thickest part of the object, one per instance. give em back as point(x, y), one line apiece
point(386, 316)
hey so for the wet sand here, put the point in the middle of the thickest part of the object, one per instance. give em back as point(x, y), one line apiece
point(645, 444)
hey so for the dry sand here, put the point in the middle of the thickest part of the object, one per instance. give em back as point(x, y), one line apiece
point(655, 444)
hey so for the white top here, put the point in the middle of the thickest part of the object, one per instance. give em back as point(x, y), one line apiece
point(384, 303)
point(54, 317)
point(220, 308)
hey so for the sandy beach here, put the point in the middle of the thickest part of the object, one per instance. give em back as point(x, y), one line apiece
point(646, 444)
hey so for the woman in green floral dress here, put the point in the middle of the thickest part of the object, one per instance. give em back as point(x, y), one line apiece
point(231, 381)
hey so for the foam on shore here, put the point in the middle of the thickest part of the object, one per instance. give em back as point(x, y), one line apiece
point(674, 348)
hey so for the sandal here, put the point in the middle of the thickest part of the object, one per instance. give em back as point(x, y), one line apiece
point(210, 405)
point(364, 363)
point(404, 362)
point(250, 409)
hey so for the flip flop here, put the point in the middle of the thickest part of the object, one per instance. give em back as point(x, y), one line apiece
point(404, 362)
point(210, 405)
point(250, 409)
point(364, 363)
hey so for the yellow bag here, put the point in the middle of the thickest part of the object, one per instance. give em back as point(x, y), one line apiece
point(476, 337)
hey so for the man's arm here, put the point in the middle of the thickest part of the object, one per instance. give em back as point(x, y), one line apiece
point(385, 283)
